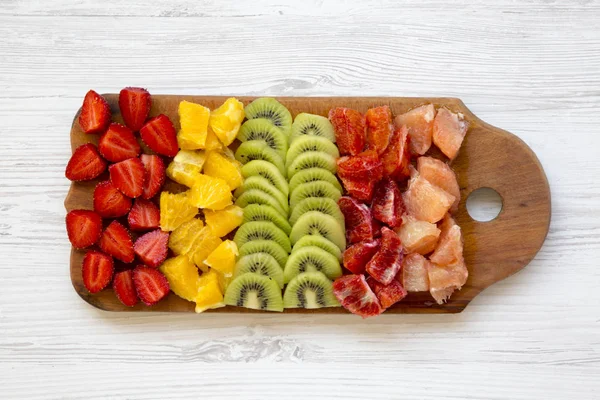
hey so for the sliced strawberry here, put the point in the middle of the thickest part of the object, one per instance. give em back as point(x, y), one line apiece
point(118, 143)
point(356, 296)
point(135, 106)
point(387, 205)
point(151, 248)
point(144, 215)
point(83, 228)
point(396, 158)
point(109, 202)
point(116, 241)
point(124, 288)
point(379, 128)
point(155, 175)
point(85, 164)
point(150, 284)
point(358, 255)
point(350, 130)
point(95, 113)
point(359, 222)
point(97, 270)
point(388, 295)
point(128, 176)
point(159, 134)
point(386, 263)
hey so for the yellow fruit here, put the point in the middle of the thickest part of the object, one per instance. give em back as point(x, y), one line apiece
point(219, 166)
point(210, 192)
point(194, 125)
point(223, 221)
point(226, 120)
point(212, 141)
point(182, 238)
point(224, 282)
point(175, 209)
point(209, 292)
point(183, 277)
point(186, 166)
point(204, 244)
point(223, 258)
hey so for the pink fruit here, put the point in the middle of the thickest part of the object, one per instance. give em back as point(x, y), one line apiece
point(414, 274)
point(425, 201)
point(419, 123)
point(386, 263)
point(358, 219)
point(418, 236)
point(449, 130)
point(449, 249)
point(388, 295)
point(358, 255)
point(379, 128)
point(350, 129)
point(387, 205)
point(441, 175)
point(444, 281)
point(353, 292)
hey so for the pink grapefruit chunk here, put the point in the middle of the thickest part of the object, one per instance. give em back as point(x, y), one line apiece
point(425, 201)
point(441, 175)
point(418, 236)
point(444, 281)
point(415, 276)
point(449, 249)
point(449, 130)
point(419, 123)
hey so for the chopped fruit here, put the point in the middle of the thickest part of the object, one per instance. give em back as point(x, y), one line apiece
point(226, 120)
point(83, 228)
point(116, 241)
point(134, 104)
point(204, 244)
point(182, 239)
point(109, 202)
point(151, 247)
point(219, 166)
point(365, 165)
point(212, 141)
point(449, 130)
point(224, 221)
point(175, 209)
point(118, 143)
point(387, 205)
point(159, 134)
point(418, 236)
point(128, 176)
point(425, 201)
point(441, 175)
point(95, 113)
point(445, 280)
point(85, 164)
point(186, 167)
point(194, 125)
point(350, 130)
point(361, 189)
point(358, 255)
point(124, 288)
point(386, 263)
point(209, 292)
point(223, 258)
point(415, 276)
point(388, 295)
point(144, 216)
point(155, 175)
point(449, 249)
point(379, 128)
point(97, 270)
point(182, 276)
point(209, 192)
point(355, 295)
point(150, 284)
point(359, 222)
point(419, 123)
point(396, 158)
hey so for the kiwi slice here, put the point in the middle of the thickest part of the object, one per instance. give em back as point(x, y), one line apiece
point(265, 246)
point(263, 212)
point(261, 230)
point(263, 129)
point(311, 159)
point(312, 125)
point(309, 290)
point(314, 189)
point(260, 263)
point(314, 174)
point(320, 224)
point(267, 171)
point(255, 196)
point(260, 183)
point(259, 150)
point(271, 109)
point(311, 259)
point(254, 291)
point(310, 143)
point(321, 242)
point(324, 205)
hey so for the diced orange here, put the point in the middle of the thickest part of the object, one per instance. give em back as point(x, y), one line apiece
point(441, 175)
point(182, 239)
point(194, 124)
point(205, 244)
point(222, 259)
point(449, 130)
point(449, 249)
point(210, 192)
point(425, 201)
point(419, 122)
point(212, 141)
point(175, 209)
point(443, 281)
point(219, 166)
point(186, 166)
point(209, 292)
point(182, 276)
point(223, 221)
point(418, 236)
point(226, 120)
point(415, 276)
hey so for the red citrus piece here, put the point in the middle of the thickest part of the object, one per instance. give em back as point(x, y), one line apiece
point(388, 295)
point(396, 158)
point(379, 128)
point(350, 128)
point(358, 255)
point(386, 263)
point(358, 219)
point(356, 296)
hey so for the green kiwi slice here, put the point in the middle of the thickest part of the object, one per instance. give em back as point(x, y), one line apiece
point(309, 290)
point(263, 212)
point(255, 196)
point(265, 246)
point(321, 242)
point(259, 150)
point(261, 230)
point(260, 183)
point(311, 259)
point(254, 291)
point(312, 125)
point(314, 174)
point(314, 189)
point(263, 129)
point(271, 109)
point(260, 263)
point(324, 205)
point(303, 144)
point(311, 159)
point(320, 224)
point(267, 171)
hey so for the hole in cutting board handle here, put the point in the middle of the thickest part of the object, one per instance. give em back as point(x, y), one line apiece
point(484, 204)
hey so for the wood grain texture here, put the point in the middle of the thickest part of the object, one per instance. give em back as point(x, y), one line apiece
point(530, 67)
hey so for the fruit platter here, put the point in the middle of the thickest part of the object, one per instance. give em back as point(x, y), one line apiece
point(296, 205)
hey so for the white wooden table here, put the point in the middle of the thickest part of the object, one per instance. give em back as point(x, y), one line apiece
point(532, 68)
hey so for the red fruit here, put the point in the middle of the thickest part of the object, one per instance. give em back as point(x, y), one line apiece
point(118, 143)
point(355, 295)
point(445, 280)
point(350, 129)
point(365, 165)
point(124, 288)
point(376, 228)
point(95, 113)
point(419, 123)
point(388, 295)
point(415, 273)
point(386, 263)
point(109, 202)
point(128, 176)
point(359, 222)
point(396, 158)
point(441, 175)
point(83, 228)
point(97, 270)
point(150, 284)
point(379, 128)
point(358, 255)
point(135, 106)
point(85, 164)
point(159, 134)
point(449, 249)
point(144, 215)
point(449, 130)
point(116, 241)
point(360, 189)
point(387, 205)
point(155, 175)
point(426, 202)
point(151, 247)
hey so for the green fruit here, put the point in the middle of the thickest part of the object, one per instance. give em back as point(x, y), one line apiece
point(303, 144)
point(312, 125)
point(309, 290)
point(261, 230)
point(260, 263)
point(254, 291)
point(263, 130)
point(267, 171)
point(326, 206)
point(321, 242)
point(265, 246)
point(255, 196)
point(319, 224)
point(263, 212)
point(260, 183)
point(271, 109)
point(318, 189)
point(311, 259)
point(259, 150)
point(314, 174)
point(311, 159)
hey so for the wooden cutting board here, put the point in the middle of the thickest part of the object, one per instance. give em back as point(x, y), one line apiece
point(489, 157)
